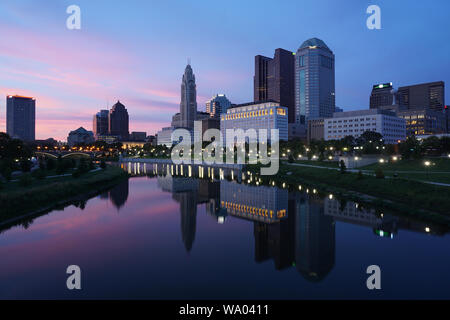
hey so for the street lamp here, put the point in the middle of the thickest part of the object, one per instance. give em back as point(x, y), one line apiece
point(427, 165)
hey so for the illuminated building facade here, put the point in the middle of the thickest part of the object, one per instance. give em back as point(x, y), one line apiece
point(264, 115)
point(382, 95)
point(217, 105)
point(263, 204)
point(355, 123)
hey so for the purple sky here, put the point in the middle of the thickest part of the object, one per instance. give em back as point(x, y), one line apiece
point(136, 51)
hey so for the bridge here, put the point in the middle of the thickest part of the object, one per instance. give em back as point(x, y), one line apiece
point(66, 154)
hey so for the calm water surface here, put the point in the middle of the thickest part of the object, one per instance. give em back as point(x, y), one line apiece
point(182, 238)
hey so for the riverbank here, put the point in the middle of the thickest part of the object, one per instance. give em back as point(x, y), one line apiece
point(41, 195)
point(414, 198)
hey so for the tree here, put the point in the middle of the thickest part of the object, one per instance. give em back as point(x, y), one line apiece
point(411, 148)
point(343, 167)
point(379, 173)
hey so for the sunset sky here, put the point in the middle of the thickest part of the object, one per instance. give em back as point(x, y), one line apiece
point(136, 51)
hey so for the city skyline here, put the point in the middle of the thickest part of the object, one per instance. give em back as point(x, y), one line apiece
point(73, 74)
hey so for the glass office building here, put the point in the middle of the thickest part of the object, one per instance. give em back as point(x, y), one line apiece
point(21, 117)
point(314, 81)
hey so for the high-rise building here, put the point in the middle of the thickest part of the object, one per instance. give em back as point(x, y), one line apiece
point(100, 123)
point(426, 95)
point(382, 95)
point(21, 117)
point(260, 80)
point(188, 105)
point(119, 121)
point(314, 81)
point(274, 80)
point(217, 105)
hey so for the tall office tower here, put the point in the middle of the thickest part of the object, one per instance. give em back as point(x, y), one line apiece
point(21, 117)
point(188, 105)
point(118, 121)
point(274, 80)
point(426, 95)
point(382, 95)
point(217, 105)
point(314, 81)
point(100, 124)
point(260, 80)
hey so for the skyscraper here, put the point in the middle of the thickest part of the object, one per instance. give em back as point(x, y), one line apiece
point(188, 105)
point(119, 121)
point(21, 117)
point(314, 81)
point(217, 105)
point(260, 80)
point(426, 95)
point(274, 80)
point(100, 123)
point(382, 95)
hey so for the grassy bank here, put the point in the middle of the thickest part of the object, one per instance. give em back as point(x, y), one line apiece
point(16, 200)
point(396, 194)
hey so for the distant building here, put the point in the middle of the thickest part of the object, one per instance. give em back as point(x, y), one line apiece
point(355, 123)
point(80, 136)
point(420, 121)
point(188, 104)
point(337, 109)
point(138, 136)
point(274, 80)
point(100, 124)
point(382, 95)
point(164, 136)
point(108, 138)
point(210, 123)
point(423, 121)
point(21, 117)
point(266, 115)
point(217, 105)
point(119, 121)
point(314, 81)
point(430, 95)
point(315, 129)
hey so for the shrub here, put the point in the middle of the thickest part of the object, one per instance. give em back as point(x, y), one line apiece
point(103, 164)
point(76, 173)
point(25, 165)
point(291, 158)
point(39, 174)
point(360, 175)
point(25, 180)
point(7, 173)
point(342, 166)
point(51, 164)
point(379, 173)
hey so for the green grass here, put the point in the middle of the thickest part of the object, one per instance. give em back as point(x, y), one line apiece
point(437, 164)
point(16, 200)
point(438, 171)
point(414, 195)
point(328, 164)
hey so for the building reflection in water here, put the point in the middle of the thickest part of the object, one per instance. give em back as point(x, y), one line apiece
point(293, 229)
point(118, 194)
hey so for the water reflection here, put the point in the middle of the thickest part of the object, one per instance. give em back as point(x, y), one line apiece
point(118, 194)
point(293, 229)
